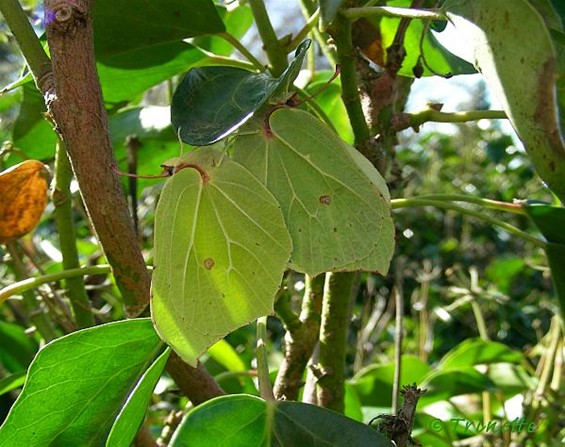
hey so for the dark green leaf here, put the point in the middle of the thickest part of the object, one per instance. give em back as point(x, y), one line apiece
point(133, 412)
point(211, 102)
point(473, 352)
point(121, 26)
point(17, 348)
point(242, 420)
point(328, 11)
point(78, 383)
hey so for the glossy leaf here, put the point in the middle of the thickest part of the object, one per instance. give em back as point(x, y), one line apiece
point(23, 197)
point(221, 248)
point(520, 68)
point(121, 27)
point(335, 204)
point(473, 352)
point(436, 56)
point(211, 102)
point(133, 412)
point(78, 383)
point(241, 420)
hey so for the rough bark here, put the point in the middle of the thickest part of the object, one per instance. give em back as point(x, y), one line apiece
point(74, 101)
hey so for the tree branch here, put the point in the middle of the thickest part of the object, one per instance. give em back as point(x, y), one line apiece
point(300, 340)
point(415, 120)
point(74, 101)
point(391, 11)
point(333, 340)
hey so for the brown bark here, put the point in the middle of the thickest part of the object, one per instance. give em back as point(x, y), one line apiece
point(74, 101)
point(195, 383)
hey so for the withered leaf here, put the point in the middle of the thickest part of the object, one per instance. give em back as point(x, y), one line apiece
point(23, 197)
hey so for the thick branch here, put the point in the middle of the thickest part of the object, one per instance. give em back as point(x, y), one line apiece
point(74, 101)
point(392, 11)
point(333, 340)
point(415, 120)
point(300, 340)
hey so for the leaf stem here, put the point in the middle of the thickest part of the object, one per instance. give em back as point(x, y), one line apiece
point(415, 120)
point(416, 201)
point(265, 388)
point(34, 54)
point(273, 47)
point(391, 11)
point(31, 283)
point(61, 196)
point(228, 37)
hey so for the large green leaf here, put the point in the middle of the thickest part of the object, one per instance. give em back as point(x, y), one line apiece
point(551, 221)
point(248, 421)
point(121, 26)
point(211, 102)
point(77, 384)
point(513, 50)
point(221, 248)
point(334, 202)
point(436, 56)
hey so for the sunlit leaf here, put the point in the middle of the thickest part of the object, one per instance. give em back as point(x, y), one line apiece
point(242, 420)
point(473, 352)
point(334, 201)
point(23, 197)
point(514, 51)
point(211, 102)
point(77, 384)
point(221, 247)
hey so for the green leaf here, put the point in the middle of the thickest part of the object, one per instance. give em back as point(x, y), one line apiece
point(77, 384)
point(520, 68)
point(328, 11)
point(121, 27)
point(550, 220)
point(373, 384)
point(221, 248)
point(225, 354)
point(473, 352)
point(443, 385)
point(133, 412)
point(436, 56)
point(211, 102)
point(237, 22)
point(12, 382)
point(336, 211)
point(159, 64)
point(241, 420)
point(17, 348)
